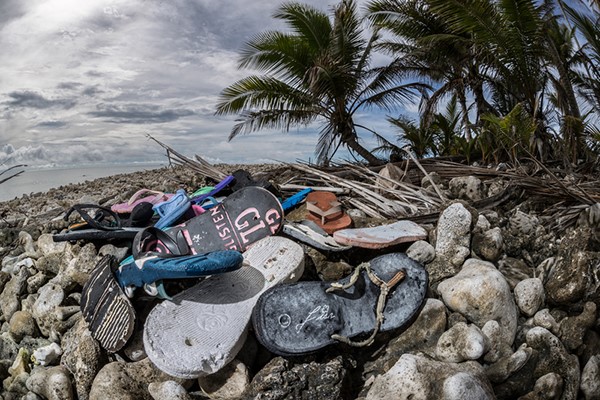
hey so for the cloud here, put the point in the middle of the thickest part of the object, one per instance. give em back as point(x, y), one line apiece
point(138, 113)
point(29, 99)
point(96, 77)
point(52, 124)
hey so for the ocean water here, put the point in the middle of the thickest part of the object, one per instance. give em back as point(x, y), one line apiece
point(34, 180)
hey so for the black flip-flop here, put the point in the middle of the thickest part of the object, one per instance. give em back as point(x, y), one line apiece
point(105, 307)
point(300, 318)
point(243, 179)
point(105, 224)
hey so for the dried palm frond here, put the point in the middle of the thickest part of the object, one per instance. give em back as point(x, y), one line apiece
point(199, 165)
point(375, 200)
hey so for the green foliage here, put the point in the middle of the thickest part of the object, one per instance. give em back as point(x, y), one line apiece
point(421, 140)
point(319, 70)
point(514, 71)
point(508, 138)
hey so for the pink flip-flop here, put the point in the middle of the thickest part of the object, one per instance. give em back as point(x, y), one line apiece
point(154, 198)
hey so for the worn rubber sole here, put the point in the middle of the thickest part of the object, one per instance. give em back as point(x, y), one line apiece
point(204, 327)
point(310, 233)
point(300, 318)
point(378, 237)
point(106, 308)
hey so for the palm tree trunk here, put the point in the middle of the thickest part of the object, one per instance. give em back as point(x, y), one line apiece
point(465, 114)
point(352, 143)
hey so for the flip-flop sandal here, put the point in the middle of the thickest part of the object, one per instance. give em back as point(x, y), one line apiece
point(243, 217)
point(310, 233)
point(171, 210)
point(202, 190)
point(295, 199)
point(105, 304)
point(97, 234)
point(203, 328)
point(200, 198)
point(378, 237)
point(382, 295)
point(325, 210)
point(105, 224)
point(154, 198)
point(244, 179)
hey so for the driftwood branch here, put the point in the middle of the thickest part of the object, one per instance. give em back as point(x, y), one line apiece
point(13, 175)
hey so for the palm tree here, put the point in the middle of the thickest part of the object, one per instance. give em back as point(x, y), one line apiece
point(497, 54)
point(425, 45)
point(320, 70)
point(421, 139)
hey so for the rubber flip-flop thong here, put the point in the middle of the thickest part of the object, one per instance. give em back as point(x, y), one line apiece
point(324, 209)
point(154, 198)
point(243, 217)
point(300, 318)
point(203, 328)
point(310, 233)
point(171, 210)
point(381, 236)
point(104, 302)
point(295, 199)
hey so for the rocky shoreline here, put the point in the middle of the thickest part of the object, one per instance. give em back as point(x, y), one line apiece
point(512, 308)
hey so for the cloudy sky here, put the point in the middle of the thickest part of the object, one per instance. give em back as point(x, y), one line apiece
point(85, 81)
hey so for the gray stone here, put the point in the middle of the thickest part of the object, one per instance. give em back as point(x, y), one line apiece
point(51, 383)
point(431, 178)
point(488, 244)
point(502, 369)
point(282, 379)
point(498, 348)
point(9, 298)
point(460, 343)
point(553, 357)
point(35, 282)
point(229, 383)
point(574, 274)
point(482, 224)
point(547, 387)
point(26, 242)
point(546, 320)
point(46, 245)
point(416, 377)
point(45, 307)
point(15, 384)
point(46, 355)
point(529, 295)
point(22, 324)
point(118, 252)
point(127, 381)
point(8, 347)
point(481, 294)
point(453, 242)
point(464, 386)
point(590, 379)
point(83, 357)
point(573, 329)
point(567, 280)
point(76, 271)
point(520, 233)
point(168, 390)
point(466, 188)
point(31, 396)
point(421, 336)
point(421, 251)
